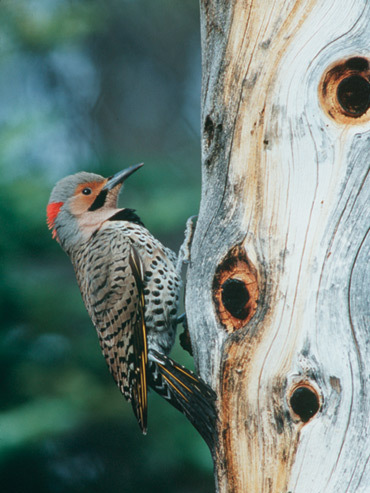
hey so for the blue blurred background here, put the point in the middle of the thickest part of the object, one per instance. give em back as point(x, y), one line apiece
point(98, 86)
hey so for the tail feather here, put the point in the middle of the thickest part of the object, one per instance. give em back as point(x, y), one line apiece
point(186, 392)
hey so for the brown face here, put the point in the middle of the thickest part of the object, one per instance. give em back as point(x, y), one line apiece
point(85, 195)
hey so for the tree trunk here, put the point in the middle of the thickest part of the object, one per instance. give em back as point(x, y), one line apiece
point(278, 285)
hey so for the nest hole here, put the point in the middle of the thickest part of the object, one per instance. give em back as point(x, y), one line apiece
point(235, 290)
point(235, 297)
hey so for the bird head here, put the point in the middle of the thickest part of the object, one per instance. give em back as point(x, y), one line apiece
point(80, 203)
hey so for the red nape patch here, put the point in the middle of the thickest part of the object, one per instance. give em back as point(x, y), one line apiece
point(52, 211)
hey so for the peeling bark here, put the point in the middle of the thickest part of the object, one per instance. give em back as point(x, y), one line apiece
point(278, 292)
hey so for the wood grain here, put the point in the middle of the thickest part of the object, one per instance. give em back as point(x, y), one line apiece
point(289, 183)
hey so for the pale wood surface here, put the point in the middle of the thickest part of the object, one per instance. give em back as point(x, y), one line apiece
point(290, 185)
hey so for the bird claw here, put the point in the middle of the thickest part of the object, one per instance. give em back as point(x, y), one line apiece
point(181, 319)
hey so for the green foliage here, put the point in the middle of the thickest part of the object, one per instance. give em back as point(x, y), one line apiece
point(41, 25)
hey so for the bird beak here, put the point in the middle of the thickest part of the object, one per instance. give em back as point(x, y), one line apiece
point(121, 176)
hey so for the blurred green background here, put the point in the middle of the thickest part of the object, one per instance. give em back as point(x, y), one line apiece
point(97, 86)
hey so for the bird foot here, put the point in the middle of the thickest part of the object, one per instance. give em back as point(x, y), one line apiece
point(181, 319)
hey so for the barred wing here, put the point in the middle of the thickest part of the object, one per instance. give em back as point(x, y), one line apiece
point(115, 301)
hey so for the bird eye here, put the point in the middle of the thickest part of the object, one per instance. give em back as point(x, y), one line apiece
point(86, 191)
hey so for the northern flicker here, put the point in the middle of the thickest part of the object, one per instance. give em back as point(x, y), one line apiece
point(130, 286)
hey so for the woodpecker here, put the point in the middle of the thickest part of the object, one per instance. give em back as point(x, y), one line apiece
point(130, 285)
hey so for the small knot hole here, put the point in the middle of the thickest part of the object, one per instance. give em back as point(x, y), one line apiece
point(353, 94)
point(305, 403)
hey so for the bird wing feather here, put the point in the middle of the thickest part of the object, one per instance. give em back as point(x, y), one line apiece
point(140, 343)
point(115, 301)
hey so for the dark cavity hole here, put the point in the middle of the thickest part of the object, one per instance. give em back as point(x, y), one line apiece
point(353, 94)
point(357, 63)
point(235, 296)
point(305, 403)
point(209, 129)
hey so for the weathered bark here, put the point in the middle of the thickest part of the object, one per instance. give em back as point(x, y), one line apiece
point(278, 286)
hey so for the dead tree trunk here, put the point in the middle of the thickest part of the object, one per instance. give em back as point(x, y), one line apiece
point(278, 286)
